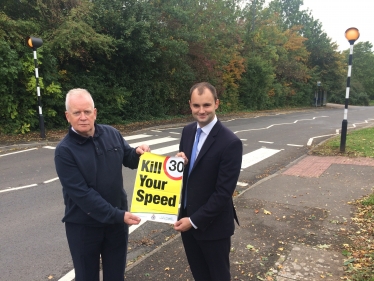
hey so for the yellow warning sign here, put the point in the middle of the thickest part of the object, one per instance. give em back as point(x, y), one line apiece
point(157, 188)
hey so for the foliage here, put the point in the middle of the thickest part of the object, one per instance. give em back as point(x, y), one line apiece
point(139, 58)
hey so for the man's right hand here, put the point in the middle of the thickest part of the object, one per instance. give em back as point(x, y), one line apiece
point(131, 219)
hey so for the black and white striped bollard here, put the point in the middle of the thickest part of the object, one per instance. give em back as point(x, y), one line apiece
point(352, 34)
point(35, 43)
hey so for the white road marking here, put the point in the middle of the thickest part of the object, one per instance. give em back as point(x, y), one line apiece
point(175, 133)
point(51, 180)
point(297, 145)
point(18, 152)
point(337, 131)
point(17, 188)
point(267, 142)
point(310, 141)
point(133, 227)
point(256, 156)
point(49, 147)
point(154, 141)
point(280, 124)
point(156, 131)
point(166, 150)
point(135, 137)
point(241, 183)
point(69, 276)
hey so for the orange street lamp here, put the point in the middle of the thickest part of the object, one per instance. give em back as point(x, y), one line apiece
point(35, 43)
point(352, 34)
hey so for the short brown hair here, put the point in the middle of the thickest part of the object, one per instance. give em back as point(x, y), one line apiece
point(204, 85)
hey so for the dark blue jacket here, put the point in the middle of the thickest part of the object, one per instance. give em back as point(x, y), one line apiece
point(90, 171)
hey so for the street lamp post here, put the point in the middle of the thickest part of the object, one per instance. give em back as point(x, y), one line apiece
point(35, 43)
point(352, 34)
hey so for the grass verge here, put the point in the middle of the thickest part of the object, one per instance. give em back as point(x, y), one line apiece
point(359, 253)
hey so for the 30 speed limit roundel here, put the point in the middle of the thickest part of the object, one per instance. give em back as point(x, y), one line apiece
point(173, 167)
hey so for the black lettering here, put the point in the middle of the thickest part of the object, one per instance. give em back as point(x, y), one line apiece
point(142, 179)
point(148, 199)
point(164, 200)
point(163, 184)
point(145, 166)
point(148, 183)
point(172, 201)
point(156, 199)
point(156, 184)
point(140, 194)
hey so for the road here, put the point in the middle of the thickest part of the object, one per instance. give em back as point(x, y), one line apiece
point(32, 237)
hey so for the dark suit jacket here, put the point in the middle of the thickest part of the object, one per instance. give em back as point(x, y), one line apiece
point(212, 181)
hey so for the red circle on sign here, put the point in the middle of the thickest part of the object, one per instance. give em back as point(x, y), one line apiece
point(167, 172)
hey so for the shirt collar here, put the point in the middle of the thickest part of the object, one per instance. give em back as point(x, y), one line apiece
point(207, 128)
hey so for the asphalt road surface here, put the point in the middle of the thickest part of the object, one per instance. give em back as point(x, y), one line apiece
point(32, 237)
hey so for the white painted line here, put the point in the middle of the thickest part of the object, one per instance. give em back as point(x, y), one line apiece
point(133, 227)
point(256, 156)
point(18, 152)
point(135, 137)
point(241, 183)
point(266, 141)
point(49, 147)
point(51, 180)
point(297, 145)
point(17, 188)
point(175, 133)
point(69, 276)
point(243, 139)
point(154, 141)
point(365, 122)
point(156, 131)
point(310, 141)
point(166, 150)
point(280, 124)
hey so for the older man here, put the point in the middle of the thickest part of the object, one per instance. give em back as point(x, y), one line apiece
point(89, 164)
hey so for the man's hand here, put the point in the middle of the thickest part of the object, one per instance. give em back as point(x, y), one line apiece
point(182, 225)
point(142, 148)
point(131, 219)
point(181, 154)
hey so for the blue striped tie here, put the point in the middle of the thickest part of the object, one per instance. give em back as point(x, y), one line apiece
point(194, 150)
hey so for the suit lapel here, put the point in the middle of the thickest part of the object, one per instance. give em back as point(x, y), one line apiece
point(209, 141)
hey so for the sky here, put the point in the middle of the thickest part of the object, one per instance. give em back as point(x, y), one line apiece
point(337, 16)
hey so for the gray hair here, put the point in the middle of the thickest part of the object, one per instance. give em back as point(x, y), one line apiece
point(77, 92)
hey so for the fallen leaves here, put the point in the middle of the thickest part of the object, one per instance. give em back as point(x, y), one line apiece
point(359, 264)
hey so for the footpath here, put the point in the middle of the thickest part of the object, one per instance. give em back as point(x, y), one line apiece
point(293, 225)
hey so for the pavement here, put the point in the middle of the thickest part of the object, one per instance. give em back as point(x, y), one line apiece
point(293, 224)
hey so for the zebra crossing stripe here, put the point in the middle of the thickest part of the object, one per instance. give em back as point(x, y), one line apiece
point(256, 156)
point(135, 137)
point(154, 141)
point(166, 150)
